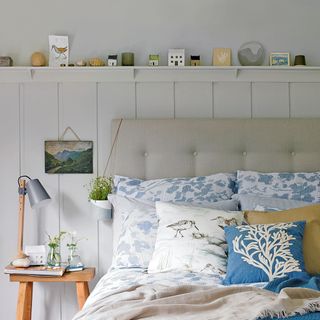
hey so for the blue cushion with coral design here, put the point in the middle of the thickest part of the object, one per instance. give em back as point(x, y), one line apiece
point(264, 252)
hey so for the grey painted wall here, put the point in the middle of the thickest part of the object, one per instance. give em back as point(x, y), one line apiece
point(147, 26)
point(33, 112)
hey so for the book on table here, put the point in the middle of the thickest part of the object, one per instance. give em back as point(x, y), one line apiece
point(36, 270)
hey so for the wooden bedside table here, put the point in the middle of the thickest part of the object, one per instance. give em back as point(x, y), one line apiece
point(24, 306)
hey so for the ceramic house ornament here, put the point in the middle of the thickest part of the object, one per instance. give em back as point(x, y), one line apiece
point(221, 57)
point(195, 61)
point(59, 51)
point(154, 59)
point(113, 60)
point(176, 57)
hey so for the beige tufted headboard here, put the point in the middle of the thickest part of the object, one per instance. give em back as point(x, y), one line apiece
point(186, 147)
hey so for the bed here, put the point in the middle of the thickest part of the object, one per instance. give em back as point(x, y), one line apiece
point(155, 149)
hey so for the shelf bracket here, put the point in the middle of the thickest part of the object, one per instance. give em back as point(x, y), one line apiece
point(32, 71)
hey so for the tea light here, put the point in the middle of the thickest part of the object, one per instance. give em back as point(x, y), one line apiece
point(127, 59)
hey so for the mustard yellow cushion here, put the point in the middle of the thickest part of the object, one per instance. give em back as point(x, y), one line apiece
point(311, 239)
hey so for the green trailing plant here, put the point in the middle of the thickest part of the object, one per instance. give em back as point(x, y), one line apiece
point(100, 188)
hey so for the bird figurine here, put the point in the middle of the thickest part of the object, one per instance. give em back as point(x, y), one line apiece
point(60, 51)
point(182, 225)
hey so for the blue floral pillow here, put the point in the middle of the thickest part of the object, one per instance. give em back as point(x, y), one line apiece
point(294, 186)
point(211, 188)
point(264, 252)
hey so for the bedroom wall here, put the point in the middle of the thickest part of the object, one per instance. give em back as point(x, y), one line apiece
point(33, 112)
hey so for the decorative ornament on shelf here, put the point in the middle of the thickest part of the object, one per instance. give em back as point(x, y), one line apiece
point(300, 60)
point(154, 60)
point(59, 51)
point(6, 62)
point(81, 63)
point(127, 59)
point(251, 54)
point(222, 57)
point(280, 59)
point(112, 60)
point(38, 59)
point(176, 57)
point(99, 189)
point(96, 62)
point(195, 61)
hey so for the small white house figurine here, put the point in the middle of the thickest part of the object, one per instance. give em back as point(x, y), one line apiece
point(154, 60)
point(112, 60)
point(176, 57)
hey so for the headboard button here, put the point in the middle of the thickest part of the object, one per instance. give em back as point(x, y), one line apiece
point(293, 153)
point(146, 154)
point(195, 154)
point(244, 153)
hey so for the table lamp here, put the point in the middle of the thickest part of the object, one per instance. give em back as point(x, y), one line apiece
point(38, 197)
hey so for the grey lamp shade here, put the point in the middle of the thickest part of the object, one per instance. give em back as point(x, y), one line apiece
point(38, 196)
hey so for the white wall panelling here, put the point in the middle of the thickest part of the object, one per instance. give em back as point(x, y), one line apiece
point(41, 110)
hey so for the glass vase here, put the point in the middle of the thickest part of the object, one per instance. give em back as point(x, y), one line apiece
point(54, 258)
point(74, 260)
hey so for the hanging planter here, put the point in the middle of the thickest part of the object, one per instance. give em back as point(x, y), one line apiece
point(101, 209)
point(99, 190)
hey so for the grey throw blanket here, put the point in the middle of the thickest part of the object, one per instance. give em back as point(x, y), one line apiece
point(188, 302)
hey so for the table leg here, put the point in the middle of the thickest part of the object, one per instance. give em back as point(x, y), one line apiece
point(82, 292)
point(24, 307)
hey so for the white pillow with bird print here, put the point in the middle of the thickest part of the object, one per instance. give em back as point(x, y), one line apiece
point(192, 238)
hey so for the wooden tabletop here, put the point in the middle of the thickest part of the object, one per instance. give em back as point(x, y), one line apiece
point(75, 276)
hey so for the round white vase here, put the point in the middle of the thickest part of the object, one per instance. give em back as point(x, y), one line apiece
point(101, 209)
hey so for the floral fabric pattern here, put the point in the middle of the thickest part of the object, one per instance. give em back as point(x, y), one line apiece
point(198, 189)
point(293, 186)
point(139, 225)
point(264, 252)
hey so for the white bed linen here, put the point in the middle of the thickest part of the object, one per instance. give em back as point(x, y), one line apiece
point(119, 278)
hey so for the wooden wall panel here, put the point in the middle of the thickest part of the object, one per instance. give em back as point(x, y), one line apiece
point(270, 100)
point(115, 100)
point(78, 109)
point(47, 108)
point(10, 169)
point(232, 100)
point(305, 100)
point(155, 100)
point(39, 122)
point(193, 100)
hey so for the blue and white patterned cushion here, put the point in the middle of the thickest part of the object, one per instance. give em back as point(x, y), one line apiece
point(259, 203)
point(211, 188)
point(264, 252)
point(295, 186)
point(139, 225)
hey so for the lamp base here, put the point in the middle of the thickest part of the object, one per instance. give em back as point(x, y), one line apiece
point(21, 260)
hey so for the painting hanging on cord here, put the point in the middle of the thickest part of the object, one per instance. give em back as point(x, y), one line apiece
point(58, 51)
point(68, 156)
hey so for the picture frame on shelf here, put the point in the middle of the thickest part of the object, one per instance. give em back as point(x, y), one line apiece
point(280, 59)
point(58, 51)
point(222, 57)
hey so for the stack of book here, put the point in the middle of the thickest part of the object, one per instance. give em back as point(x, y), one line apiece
point(36, 270)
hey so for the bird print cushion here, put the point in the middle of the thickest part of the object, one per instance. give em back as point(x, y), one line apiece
point(191, 238)
point(264, 252)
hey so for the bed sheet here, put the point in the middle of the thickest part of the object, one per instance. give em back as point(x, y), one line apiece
point(119, 278)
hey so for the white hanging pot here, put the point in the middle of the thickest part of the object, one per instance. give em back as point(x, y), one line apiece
point(102, 209)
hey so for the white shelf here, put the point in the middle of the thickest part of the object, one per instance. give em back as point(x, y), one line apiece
point(159, 74)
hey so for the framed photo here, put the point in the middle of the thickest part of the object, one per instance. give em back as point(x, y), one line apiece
point(280, 59)
point(68, 156)
point(58, 51)
point(222, 57)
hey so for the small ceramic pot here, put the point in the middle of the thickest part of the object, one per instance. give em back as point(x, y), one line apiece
point(102, 209)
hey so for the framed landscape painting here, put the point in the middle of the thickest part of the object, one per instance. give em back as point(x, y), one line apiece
point(68, 156)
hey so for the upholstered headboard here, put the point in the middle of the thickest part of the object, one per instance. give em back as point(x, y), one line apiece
point(187, 147)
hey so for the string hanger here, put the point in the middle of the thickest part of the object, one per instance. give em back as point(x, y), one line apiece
point(72, 131)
